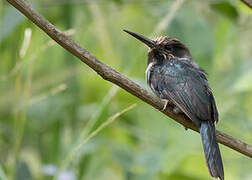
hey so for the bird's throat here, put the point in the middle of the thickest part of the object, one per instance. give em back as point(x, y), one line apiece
point(148, 72)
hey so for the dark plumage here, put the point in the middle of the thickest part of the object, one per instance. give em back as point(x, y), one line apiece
point(172, 75)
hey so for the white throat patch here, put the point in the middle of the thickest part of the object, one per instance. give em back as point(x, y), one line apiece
point(148, 72)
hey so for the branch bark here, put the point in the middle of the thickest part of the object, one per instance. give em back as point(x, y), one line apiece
point(248, 3)
point(110, 74)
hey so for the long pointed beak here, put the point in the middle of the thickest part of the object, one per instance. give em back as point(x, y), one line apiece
point(140, 37)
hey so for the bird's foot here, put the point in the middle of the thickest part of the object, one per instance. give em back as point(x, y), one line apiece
point(165, 105)
point(170, 56)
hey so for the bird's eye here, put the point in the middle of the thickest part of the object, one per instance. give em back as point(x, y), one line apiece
point(168, 47)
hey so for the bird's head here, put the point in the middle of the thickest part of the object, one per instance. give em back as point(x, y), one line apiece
point(162, 47)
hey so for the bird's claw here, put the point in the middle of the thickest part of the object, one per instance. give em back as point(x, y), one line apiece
point(165, 105)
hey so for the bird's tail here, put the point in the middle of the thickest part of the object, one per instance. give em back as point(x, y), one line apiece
point(211, 149)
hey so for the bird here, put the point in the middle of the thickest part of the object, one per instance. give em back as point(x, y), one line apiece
point(173, 76)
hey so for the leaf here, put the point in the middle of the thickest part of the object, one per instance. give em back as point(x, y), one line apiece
point(226, 9)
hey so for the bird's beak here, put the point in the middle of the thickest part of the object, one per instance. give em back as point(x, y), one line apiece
point(140, 37)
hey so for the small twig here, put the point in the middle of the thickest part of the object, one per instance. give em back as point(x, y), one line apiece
point(168, 18)
point(77, 148)
point(33, 56)
point(248, 3)
point(110, 74)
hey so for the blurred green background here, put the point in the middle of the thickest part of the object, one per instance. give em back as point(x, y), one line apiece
point(50, 102)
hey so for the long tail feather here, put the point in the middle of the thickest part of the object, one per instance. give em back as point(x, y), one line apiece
point(211, 150)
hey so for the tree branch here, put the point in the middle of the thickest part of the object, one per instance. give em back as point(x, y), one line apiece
point(110, 74)
point(248, 3)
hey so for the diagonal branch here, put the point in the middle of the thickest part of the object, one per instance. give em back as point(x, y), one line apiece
point(248, 3)
point(110, 74)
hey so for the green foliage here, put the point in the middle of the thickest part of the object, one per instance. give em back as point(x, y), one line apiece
point(51, 104)
point(226, 9)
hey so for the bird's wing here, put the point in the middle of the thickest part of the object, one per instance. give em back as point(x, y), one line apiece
point(188, 89)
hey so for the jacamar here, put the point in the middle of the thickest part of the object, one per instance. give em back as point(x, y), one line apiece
point(174, 77)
